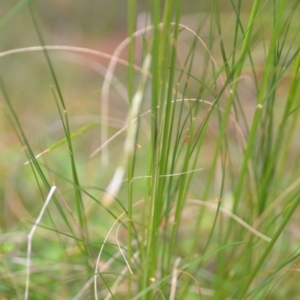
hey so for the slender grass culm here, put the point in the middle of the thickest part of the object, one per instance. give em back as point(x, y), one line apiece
point(169, 132)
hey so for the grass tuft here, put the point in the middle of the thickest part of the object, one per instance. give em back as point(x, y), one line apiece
point(178, 178)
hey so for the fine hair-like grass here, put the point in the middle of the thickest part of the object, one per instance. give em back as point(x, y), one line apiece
point(187, 188)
